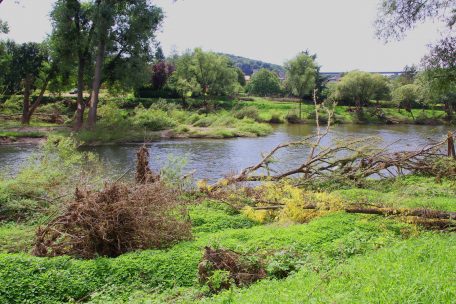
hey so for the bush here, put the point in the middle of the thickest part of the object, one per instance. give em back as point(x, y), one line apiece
point(250, 127)
point(45, 174)
point(276, 118)
point(118, 219)
point(153, 119)
point(12, 105)
point(293, 118)
point(247, 112)
point(112, 115)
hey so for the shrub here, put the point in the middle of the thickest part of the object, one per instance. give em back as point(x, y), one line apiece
point(112, 115)
point(293, 118)
point(247, 112)
point(12, 105)
point(205, 121)
point(276, 118)
point(153, 119)
point(251, 127)
point(45, 174)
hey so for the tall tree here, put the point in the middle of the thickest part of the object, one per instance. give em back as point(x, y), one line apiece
point(72, 38)
point(301, 76)
point(124, 33)
point(161, 71)
point(110, 39)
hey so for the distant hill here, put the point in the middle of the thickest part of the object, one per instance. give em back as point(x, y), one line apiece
point(249, 66)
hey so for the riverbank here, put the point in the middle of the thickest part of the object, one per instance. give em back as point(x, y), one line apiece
point(129, 121)
point(299, 241)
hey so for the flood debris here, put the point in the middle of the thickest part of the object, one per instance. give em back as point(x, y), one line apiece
point(242, 270)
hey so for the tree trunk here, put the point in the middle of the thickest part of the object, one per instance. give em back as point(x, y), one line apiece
point(448, 110)
point(26, 103)
point(92, 119)
point(300, 109)
point(79, 116)
point(28, 110)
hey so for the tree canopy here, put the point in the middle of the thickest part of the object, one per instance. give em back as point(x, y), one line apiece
point(206, 73)
point(264, 83)
point(360, 87)
point(301, 75)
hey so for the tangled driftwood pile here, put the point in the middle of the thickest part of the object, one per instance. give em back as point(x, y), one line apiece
point(119, 218)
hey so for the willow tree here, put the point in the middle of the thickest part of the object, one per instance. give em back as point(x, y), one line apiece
point(206, 73)
point(301, 76)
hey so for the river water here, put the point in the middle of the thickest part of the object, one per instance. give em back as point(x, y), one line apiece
point(214, 158)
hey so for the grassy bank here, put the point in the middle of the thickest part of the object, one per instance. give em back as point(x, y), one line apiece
point(330, 256)
point(137, 120)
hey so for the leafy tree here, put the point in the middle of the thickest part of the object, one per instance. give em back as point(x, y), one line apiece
point(382, 90)
point(396, 17)
point(124, 31)
point(361, 87)
point(161, 71)
point(241, 77)
point(407, 97)
point(264, 83)
point(159, 55)
point(29, 68)
point(73, 38)
point(301, 76)
point(208, 73)
point(439, 77)
point(110, 40)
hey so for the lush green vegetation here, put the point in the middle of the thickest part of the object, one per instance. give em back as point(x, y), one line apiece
point(322, 255)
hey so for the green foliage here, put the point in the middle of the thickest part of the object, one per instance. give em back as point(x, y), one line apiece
point(407, 96)
point(112, 115)
point(402, 273)
point(153, 119)
point(43, 176)
point(13, 105)
point(360, 87)
point(264, 83)
point(405, 192)
point(247, 112)
point(16, 238)
point(212, 217)
point(301, 75)
point(39, 280)
point(248, 66)
point(204, 72)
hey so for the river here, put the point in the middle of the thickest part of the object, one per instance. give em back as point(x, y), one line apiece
point(213, 158)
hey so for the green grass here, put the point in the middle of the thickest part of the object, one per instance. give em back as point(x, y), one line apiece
point(19, 134)
point(324, 241)
point(267, 108)
point(405, 192)
point(418, 270)
point(16, 238)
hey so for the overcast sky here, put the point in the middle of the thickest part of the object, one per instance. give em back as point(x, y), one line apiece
point(340, 32)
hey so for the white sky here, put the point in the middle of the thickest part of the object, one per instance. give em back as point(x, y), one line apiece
point(340, 32)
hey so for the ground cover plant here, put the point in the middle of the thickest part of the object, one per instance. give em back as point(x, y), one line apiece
point(242, 250)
